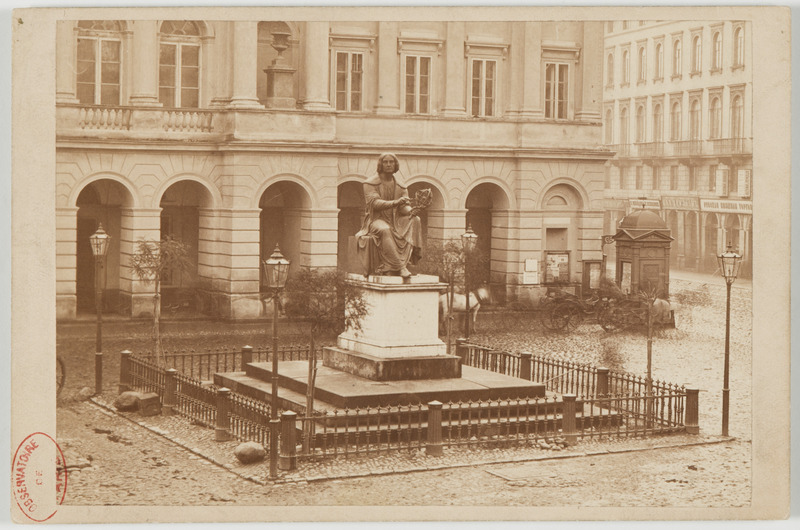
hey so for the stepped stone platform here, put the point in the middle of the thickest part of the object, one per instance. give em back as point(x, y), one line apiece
point(339, 389)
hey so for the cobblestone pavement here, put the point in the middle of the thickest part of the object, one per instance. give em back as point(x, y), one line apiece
point(117, 461)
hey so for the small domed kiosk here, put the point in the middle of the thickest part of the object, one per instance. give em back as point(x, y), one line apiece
point(643, 244)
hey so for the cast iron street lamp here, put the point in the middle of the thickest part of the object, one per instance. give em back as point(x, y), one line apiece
point(468, 241)
point(276, 269)
point(729, 262)
point(99, 242)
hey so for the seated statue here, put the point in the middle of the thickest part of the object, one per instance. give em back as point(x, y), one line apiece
point(391, 236)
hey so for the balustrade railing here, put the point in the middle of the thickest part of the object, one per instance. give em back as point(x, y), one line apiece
point(105, 118)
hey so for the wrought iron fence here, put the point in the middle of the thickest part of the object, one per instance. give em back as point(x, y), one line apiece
point(195, 400)
point(562, 377)
point(249, 419)
point(144, 374)
point(203, 365)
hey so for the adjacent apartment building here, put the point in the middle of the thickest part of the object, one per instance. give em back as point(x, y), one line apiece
point(677, 107)
point(237, 135)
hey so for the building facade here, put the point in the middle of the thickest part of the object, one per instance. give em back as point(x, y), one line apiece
point(237, 135)
point(677, 107)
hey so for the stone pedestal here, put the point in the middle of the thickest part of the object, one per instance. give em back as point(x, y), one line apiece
point(280, 87)
point(399, 337)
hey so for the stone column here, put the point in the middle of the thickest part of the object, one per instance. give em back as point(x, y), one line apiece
point(245, 69)
point(136, 224)
point(589, 82)
point(66, 262)
point(516, 61)
point(531, 87)
point(229, 262)
point(454, 96)
point(319, 230)
point(453, 223)
point(145, 49)
point(388, 69)
point(316, 67)
point(66, 79)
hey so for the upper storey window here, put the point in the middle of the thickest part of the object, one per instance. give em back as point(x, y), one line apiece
point(349, 81)
point(179, 64)
point(556, 90)
point(99, 64)
point(418, 84)
point(483, 91)
point(676, 57)
point(738, 47)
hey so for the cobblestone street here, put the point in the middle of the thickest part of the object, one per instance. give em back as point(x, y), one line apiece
point(167, 461)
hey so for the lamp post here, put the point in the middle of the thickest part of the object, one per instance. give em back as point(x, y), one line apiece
point(99, 242)
point(276, 270)
point(468, 241)
point(729, 262)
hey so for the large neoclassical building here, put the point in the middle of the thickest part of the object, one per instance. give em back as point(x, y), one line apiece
point(237, 135)
point(678, 102)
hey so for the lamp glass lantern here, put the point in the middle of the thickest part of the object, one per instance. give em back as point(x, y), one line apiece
point(276, 269)
point(469, 240)
point(99, 241)
point(729, 263)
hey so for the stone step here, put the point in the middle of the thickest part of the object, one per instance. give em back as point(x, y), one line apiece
point(346, 390)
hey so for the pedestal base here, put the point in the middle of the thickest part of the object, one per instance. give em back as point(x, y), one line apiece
point(393, 368)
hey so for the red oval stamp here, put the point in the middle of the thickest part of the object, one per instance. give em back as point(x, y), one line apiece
point(32, 477)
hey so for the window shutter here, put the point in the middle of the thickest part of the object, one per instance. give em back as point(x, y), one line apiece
point(722, 182)
point(744, 182)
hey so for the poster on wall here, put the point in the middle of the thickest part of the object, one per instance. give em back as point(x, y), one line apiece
point(594, 275)
point(557, 267)
point(625, 284)
point(530, 276)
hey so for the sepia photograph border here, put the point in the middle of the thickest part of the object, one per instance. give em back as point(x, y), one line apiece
point(33, 298)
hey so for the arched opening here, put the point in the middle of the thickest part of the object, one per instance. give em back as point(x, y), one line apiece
point(99, 202)
point(180, 220)
point(484, 205)
point(672, 223)
point(710, 235)
point(732, 232)
point(350, 201)
point(690, 239)
point(283, 205)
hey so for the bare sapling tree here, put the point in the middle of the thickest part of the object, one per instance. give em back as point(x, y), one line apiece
point(649, 295)
point(151, 262)
point(446, 260)
point(329, 304)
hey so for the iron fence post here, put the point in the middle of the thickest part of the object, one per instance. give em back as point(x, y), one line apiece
point(222, 431)
point(568, 419)
point(247, 356)
point(170, 389)
point(287, 460)
point(692, 420)
point(434, 446)
point(602, 382)
point(525, 365)
point(462, 350)
point(124, 371)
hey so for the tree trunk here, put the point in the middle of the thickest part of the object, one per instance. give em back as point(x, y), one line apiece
point(157, 324)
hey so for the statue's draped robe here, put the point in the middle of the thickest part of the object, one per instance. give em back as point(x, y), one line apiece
point(397, 237)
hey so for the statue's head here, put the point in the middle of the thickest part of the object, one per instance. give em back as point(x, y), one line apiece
point(389, 156)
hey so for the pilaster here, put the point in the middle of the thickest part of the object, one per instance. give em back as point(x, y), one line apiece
point(66, 77)
point(454, 96)
point(388, 70)
point(315, 59)
point(145, 64)
point(244, 71)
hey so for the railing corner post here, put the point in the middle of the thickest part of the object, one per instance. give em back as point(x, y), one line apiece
point(602, 382)
point(170, 391)
point(692, 411)
point(247, 356)
point(287, 460)
point(568, 422)
point(462, 349)
point(526, 365)
point(124, 371)
point(222, 430)
point(434, 446)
